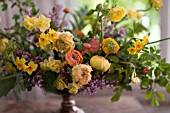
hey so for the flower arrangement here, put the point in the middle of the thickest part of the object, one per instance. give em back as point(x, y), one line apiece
point(41, 50)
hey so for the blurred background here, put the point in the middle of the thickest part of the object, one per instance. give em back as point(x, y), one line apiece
point(158, 23)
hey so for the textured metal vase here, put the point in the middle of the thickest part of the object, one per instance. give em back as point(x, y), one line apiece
point(68, 104)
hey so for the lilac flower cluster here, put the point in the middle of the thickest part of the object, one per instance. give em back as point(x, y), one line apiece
point(110, 31)
point(55, 16)
point(95, 84)
point(37, 78)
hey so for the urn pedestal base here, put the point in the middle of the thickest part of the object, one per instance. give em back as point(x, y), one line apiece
point(69, 104)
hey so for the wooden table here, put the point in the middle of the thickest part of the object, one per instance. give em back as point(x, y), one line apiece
point(90, 104)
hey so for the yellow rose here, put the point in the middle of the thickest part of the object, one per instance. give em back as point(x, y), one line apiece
point(3, 42)
point(117, 13)
point(100, 63)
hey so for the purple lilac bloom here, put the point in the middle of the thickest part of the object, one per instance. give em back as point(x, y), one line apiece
point(122, 32)
point(37, 79)
point(95, 84)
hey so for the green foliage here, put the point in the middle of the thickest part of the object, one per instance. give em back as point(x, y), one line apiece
point(48, 81)
point(154, 101)
point(116, 97)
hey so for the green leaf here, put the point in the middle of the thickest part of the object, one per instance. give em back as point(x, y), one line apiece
point(6, 85)
point(148, 95)
point(162, 81)
point(90, 12)
point(116, 97)
point(4, 6)
point(154, 101)
point(160, 95)
point(168, 88)
point(157, 72)
point(14, 4)
point(114, 59)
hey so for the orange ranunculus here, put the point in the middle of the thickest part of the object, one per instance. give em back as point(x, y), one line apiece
point(73, 57)
point(145, 40)
point(79, 33)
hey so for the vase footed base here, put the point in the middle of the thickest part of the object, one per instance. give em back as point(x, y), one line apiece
point(74, 109)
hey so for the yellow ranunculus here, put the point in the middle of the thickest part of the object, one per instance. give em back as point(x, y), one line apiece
point(42, 23)
point(109, 45)
point(156, 3)
point(59, 83)
point(20, 63)
point(132, 50)
point(31, 67)
point(117, 13)
point(133, 14)
point(43, 65)
point(100, 63)
point(3, 42)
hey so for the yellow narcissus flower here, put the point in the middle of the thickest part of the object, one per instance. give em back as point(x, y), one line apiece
point(3, 42)
point(43, 65)
point(53, 35)
point(29, 22)
point(64, 42)
point(20, 63)
point(54, 65)
point(59, 83)
point(73, 88)
point(109, 45)
point(133, 14)
point(31, 67)
point(43, 23)
point(156, 3)
point(100, 63)
point(43, 40)
point(138, 45)
point(145, 40)
point(81, 74)
point(132, 50)
point(117, 13)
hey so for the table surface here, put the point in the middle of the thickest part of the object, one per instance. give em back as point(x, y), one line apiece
point(96, 104)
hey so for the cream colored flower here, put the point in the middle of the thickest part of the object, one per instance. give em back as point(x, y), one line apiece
point(42, 23)
point(81, 73)
point(100, 63)
point(3, 42)
point(29, 22)
point(64, 42)
point(134, 79)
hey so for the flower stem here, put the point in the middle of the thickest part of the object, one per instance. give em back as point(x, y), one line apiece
point(5, 35)
point(142, 10)
point(102, 34)
point(62, 24)
point(159, 40)
point(126, 43)
point(95, 25)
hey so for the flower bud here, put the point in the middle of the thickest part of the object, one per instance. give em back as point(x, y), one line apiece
point(135, 80)
point(99, 7)
point(66, 10)
point(144, 70)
